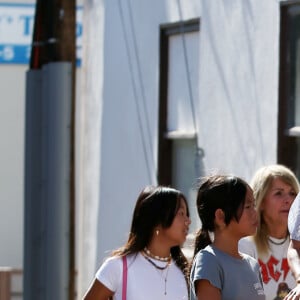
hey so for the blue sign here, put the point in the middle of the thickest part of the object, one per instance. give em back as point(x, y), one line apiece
point(16, 32)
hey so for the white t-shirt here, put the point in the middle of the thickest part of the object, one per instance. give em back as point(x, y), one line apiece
point(276, 274)
point(144, 281)
point(294, 219)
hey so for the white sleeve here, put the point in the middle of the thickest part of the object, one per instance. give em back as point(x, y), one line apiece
point(294, 219)
point(110, 273)
point(247, 245)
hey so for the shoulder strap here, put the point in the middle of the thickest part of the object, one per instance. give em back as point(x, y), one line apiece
point(124, 284)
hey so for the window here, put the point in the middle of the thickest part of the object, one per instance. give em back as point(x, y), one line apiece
point(177, 157)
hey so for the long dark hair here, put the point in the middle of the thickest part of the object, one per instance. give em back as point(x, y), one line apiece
point(155, 206)
point(218, 191)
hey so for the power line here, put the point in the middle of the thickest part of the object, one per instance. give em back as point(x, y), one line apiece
point(148, 166)
point(141, 82)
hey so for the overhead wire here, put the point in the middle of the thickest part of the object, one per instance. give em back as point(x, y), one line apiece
point(199, 154)
point(134, 87)
point(187, 67)
point(140, 79)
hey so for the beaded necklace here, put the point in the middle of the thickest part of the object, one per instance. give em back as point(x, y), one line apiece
point(148, 253)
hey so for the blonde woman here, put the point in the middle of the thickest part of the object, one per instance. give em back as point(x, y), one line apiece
point(274, 188)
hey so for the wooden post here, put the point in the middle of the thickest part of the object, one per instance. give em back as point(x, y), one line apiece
point(5, 283)
point(66, 33)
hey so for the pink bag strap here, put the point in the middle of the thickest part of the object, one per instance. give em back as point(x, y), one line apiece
point(124, 283)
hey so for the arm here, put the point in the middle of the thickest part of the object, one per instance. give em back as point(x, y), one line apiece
point(293, 257)
point(98, 291)
point(206, 291)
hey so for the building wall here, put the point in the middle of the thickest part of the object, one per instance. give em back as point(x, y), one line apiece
point(236, 106)
point(12, 110)
point(12, 143)
point(238, 85)
point(12, 107)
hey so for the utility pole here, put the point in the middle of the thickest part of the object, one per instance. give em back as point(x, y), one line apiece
point(54, 33)
point(49, 162)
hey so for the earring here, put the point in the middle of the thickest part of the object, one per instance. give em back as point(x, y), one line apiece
point(157, 232)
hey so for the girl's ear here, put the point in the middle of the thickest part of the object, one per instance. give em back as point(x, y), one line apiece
point(220, 217)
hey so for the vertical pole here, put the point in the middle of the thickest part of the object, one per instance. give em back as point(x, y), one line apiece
point(54, 41)
point(34, 222)
point(65, 26)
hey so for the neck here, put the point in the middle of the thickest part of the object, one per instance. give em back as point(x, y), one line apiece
point(278, 232)
point(279, 235)
point(227, 244)
point(158, 248)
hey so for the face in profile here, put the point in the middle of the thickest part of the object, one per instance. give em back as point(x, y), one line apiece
point(177, 232)
point(247, 225)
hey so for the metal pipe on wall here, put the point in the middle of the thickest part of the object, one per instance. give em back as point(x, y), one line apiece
point(47, 184)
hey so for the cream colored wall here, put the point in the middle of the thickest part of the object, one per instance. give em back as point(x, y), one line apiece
point(12, 105)
point(12, 121)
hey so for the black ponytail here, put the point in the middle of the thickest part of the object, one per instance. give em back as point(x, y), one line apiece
point(202, 240)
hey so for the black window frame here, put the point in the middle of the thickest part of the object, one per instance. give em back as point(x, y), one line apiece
point(287, 147)
point(164, 143)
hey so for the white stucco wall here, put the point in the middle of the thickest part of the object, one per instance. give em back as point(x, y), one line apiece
point(112, 97)
point(238, 84)
point(236, 105)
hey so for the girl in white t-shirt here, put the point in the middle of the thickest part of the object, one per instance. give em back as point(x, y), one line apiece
point(156, 266)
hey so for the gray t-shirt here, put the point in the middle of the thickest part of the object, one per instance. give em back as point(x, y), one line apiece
point(236, 278)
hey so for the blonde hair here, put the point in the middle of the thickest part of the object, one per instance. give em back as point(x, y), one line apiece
point(261, 183)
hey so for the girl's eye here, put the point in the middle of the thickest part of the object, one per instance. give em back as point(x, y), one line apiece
point(250, 205)
point(280, 194)
point(181, 213)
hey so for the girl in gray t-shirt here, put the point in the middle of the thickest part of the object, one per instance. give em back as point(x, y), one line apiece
point(226, 208)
